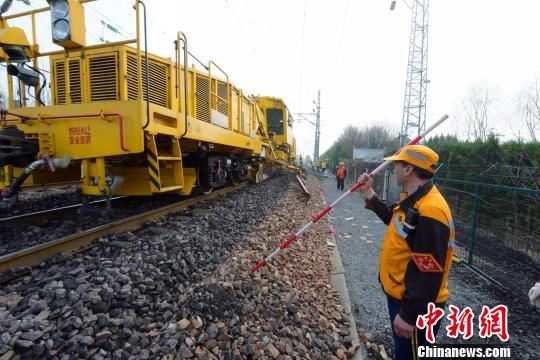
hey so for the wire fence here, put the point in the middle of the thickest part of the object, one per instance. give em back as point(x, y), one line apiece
point(497, 226)
point(496, 211)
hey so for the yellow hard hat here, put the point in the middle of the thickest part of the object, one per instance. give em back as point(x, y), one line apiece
point(417, 155)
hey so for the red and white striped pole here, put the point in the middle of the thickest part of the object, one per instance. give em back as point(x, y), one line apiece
point(343, 196)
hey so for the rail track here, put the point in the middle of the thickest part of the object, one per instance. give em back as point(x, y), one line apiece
point(44, 214)
point(56, 185)
point(86, 239)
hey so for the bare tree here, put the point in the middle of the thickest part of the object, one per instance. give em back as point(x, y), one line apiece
point(476, 107)
point(529, 109)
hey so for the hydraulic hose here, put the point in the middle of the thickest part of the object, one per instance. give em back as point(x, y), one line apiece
point(38, 164)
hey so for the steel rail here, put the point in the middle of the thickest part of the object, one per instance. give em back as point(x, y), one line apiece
point(54, 185)
point(85, 239)
point(43, 214)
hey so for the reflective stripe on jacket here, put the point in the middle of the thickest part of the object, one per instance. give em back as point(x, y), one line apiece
point(415, 270)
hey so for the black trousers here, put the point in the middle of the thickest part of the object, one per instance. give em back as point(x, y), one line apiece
point(406, 349)
point(340, 183)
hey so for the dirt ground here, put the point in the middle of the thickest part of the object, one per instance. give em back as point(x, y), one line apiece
point(360, 233)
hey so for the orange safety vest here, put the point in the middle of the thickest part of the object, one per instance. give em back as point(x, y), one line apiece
point(341, 172)
point(396, 254)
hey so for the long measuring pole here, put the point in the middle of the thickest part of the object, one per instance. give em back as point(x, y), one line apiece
point(327, 209)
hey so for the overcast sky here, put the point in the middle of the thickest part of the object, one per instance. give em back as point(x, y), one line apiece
point(354, 51)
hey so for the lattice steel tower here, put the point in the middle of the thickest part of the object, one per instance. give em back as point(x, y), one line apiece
point(317, 127)
point(414, 106)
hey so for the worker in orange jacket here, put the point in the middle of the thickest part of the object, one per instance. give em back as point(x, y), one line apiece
point(340, 176)
point(417, 249)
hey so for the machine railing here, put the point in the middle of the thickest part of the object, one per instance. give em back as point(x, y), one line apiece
point(215, 94)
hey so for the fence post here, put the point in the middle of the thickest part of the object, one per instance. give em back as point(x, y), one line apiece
point(386, 181)
point(474, 224)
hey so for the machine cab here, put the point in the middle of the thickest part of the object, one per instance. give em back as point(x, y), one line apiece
point(279, 124)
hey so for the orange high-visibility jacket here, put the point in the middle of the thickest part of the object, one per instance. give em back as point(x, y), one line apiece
point(341, 172)
point(414, 270)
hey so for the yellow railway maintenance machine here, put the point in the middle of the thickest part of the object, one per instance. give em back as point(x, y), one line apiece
point(127, 122)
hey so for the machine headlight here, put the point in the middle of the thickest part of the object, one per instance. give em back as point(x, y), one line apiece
point(61, 30)
point(59, 8)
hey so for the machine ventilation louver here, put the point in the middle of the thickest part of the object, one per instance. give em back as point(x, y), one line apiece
point(222, 105)
point(158, 79)
point(202, 98)
point(103, 78)
point(75, 87)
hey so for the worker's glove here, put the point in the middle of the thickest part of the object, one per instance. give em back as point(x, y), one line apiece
point(534, 295)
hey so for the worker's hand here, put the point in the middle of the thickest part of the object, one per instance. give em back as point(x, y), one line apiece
point(365, 188)
point(403, 328)
point(366, 182)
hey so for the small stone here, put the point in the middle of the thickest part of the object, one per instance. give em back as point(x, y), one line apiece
point(103, 320)
point(32, 335)
point(116, 322)
point(247, 308)
point(129, 322)
point(60, 293)
point(42, 316)
point(103, 334)
point(184, 352)
point(210, 344)
point(49, 344)
point(323, 322)
point(243, 330)
point(149, 283)
point(212, 331)
point(293, 309)
point(8, 355)
point(273, 351)
point(182, 324)
point(23, 344)
point(26, 325)
point(196, 322)
point(301, 348)
point(171, 343)
point(87, 340)
point(90, 318)
point(38, 350)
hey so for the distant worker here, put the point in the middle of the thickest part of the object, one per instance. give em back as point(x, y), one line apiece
point(340, 176)
point(417, 250)
point(323, 166)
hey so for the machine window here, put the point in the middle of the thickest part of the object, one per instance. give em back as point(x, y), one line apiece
point(290, 119)
point(274, 118)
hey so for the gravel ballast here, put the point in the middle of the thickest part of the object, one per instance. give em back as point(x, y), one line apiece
point(181, 288)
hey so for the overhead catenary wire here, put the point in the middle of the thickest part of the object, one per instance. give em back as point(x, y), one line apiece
point(124, 32)
point(302, 54)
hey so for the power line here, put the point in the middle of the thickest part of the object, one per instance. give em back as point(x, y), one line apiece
point(302, 55)
point(124, 32)
point(248, 39)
